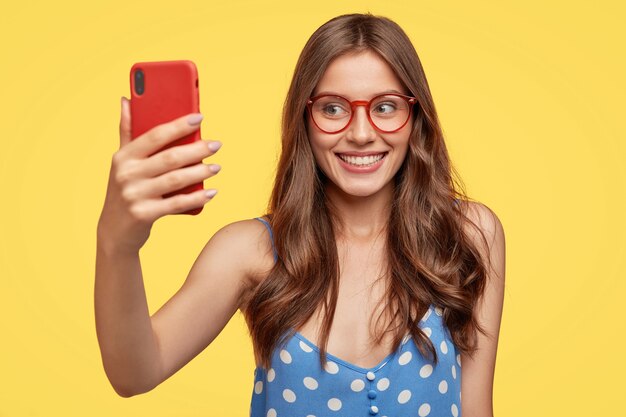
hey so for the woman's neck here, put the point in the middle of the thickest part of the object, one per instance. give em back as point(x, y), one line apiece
point(362, 219)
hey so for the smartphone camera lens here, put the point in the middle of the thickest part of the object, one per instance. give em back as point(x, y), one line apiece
point(139, 82)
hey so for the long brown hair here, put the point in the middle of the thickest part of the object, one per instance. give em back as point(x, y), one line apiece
point(430, 258)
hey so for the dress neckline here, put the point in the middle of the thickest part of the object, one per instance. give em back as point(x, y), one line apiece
point(407, 338)
point(351, 365)
point(380, 364)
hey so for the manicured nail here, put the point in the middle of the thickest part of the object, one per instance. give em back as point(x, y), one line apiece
point(214, 146)
point(195, 119)
point(215, 168)
point(210, 193)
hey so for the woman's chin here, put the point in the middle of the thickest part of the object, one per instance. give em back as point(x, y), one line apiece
point(359, 191)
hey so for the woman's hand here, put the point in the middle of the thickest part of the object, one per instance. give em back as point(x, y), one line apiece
point(139, 178)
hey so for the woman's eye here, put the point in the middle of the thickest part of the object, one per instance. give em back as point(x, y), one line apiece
point(333, 109)
point(385, 108)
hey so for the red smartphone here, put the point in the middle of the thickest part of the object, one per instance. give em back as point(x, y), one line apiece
point(162, 91)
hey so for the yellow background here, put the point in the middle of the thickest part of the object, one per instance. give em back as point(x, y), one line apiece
point(531, 99)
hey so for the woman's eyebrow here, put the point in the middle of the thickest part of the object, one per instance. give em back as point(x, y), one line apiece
point(373, 95)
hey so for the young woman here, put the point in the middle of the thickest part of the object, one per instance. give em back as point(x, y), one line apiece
point(369, 287)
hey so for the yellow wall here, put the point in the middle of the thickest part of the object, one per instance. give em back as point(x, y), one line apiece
point(531, 99)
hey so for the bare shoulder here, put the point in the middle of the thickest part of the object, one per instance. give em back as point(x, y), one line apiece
point(486, 220)
point(251, 245)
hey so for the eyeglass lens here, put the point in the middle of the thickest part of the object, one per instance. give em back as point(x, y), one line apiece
point(332, 113)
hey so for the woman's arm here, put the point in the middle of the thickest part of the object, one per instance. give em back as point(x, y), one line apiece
point(140, 351)
point(478, 372)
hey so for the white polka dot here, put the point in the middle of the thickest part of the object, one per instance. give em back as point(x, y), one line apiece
point(453, 371)
point(331, 367)
point(424, 410)
point(427, 315)
point(334, 404)
point(289, 395)
point(258, 387)
point(305, 347)
point(458, 359)
point(405, 358)
point(310, 383)
point(271, 413)
point(383, 384)
point(428, 331)
point(285, 356)
point(271, 374)
point(406, 339)
point(426, 371)
point(357, 385)
point(310, 415)
point(438, 311)
point(443, 386)
point(455, 410)
point(443, 347)
point(404, 396)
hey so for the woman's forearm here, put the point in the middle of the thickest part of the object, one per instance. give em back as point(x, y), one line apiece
point(128, 347)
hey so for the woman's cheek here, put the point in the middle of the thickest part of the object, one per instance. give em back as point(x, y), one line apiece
point(323, 164)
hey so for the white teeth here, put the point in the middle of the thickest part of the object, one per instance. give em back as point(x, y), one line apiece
point(362, 160)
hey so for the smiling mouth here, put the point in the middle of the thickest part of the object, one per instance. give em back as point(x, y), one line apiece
point(362, 161)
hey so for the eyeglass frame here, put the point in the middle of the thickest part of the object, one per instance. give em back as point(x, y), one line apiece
point(353, 104)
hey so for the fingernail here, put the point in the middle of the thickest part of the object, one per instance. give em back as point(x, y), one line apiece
point(214, 146)
point(215, 168)
point(195, 119)
point(210, 193)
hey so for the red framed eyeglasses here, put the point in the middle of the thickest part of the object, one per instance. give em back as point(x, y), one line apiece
point(388, 113)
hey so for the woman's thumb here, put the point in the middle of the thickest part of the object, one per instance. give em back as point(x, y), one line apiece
point(125, 134)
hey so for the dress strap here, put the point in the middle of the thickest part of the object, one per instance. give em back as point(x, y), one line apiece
point(269, 229)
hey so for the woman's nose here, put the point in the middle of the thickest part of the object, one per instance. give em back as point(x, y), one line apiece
point(361, 130)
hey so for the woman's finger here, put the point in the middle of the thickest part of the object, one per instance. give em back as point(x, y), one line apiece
point(125, 132)
point(156, 138)
point(169, 182)
point(176, 157)
point(151, 210)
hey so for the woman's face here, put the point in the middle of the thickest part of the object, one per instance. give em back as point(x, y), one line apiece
point(359, 76)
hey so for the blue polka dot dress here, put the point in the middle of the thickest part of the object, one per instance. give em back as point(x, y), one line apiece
point(403, 384)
